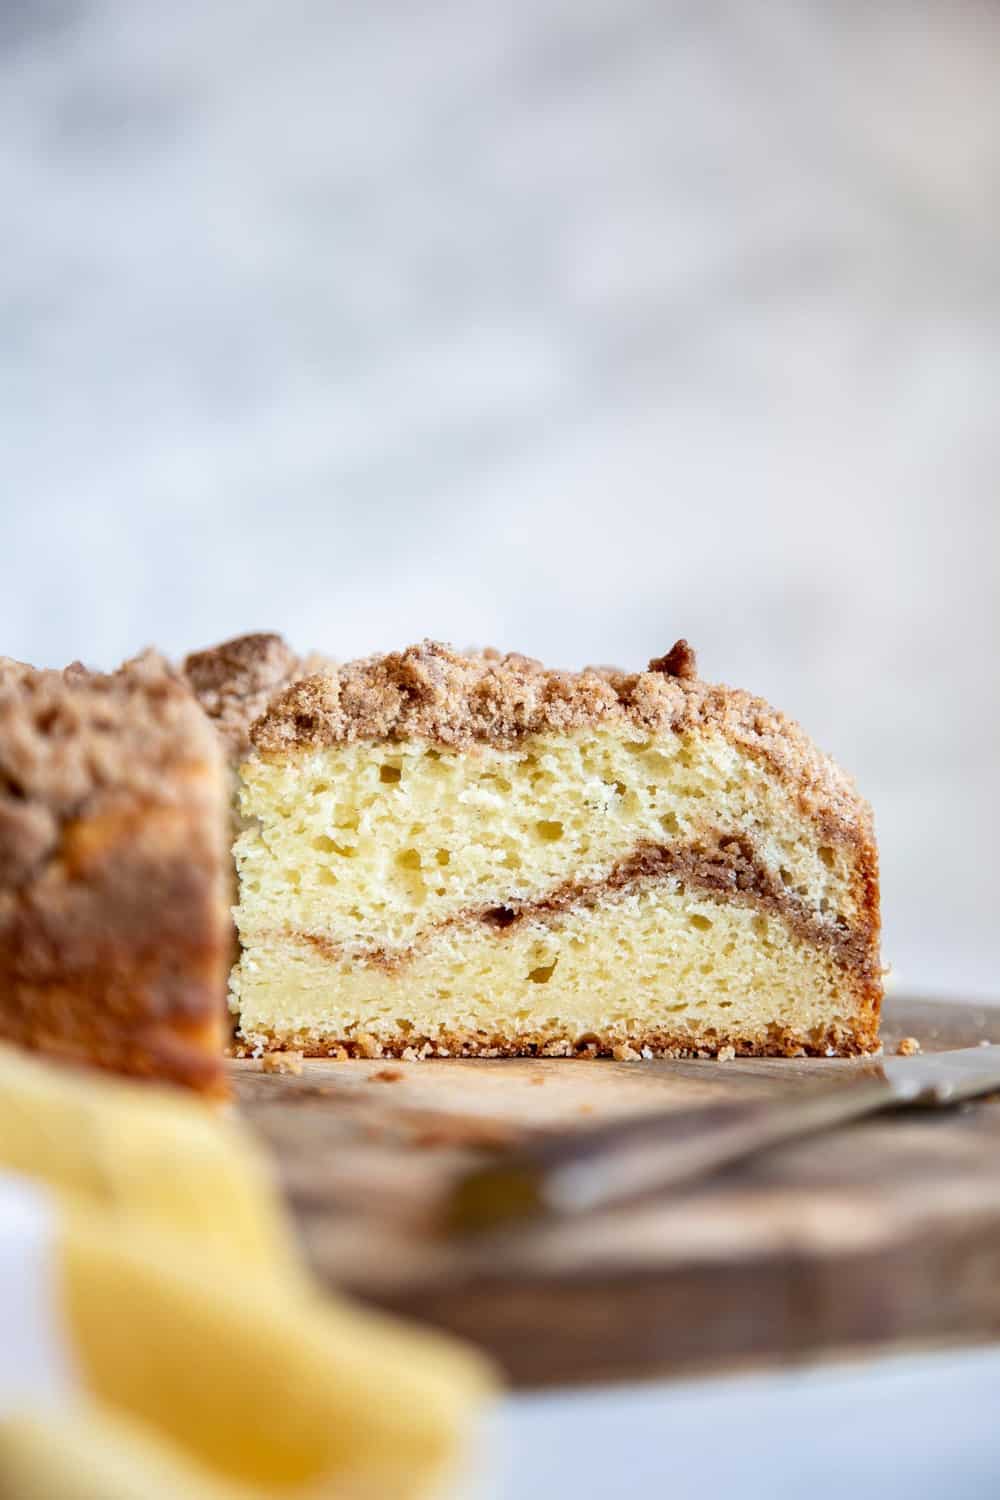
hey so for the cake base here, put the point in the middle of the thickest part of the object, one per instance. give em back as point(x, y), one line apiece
point(835, 1041)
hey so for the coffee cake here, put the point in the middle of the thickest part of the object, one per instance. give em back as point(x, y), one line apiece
point(470, 854)
point(114, 933)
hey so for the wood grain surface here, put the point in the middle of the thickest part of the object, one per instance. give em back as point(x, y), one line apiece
point(880, 1234)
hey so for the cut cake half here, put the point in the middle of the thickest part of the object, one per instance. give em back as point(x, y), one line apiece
point(449, 854)
point(115, 937)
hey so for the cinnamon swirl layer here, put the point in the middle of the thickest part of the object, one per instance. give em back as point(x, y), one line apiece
point(650, 966)
point(725, 867)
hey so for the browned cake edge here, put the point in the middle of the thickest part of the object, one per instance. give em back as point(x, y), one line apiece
point(114, 933)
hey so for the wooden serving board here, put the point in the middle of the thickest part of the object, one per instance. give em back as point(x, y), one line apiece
point(880, 1234)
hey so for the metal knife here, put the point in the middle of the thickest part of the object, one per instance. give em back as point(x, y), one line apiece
point(581, 1170)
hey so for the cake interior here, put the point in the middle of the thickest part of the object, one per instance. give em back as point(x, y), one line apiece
point(606, 890)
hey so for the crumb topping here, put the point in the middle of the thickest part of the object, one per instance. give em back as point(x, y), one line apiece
point(680, 661)
point(69, 738)
point(432, 692)
point(12, 671)
point(235, 682)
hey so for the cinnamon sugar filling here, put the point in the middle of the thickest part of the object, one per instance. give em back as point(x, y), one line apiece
point(727, 869)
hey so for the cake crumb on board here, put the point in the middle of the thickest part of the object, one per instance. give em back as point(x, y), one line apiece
point(908, 1046)
point(386, 1075)
point(282, 1062)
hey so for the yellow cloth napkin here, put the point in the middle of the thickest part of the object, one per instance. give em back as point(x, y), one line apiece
point(207, 1363)
point(94, 1454)
point(135, 1151)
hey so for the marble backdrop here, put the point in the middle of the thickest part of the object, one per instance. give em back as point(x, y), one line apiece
point(567, 325)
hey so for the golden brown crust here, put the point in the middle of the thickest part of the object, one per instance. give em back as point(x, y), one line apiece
point(113, 926)
point(856, 1038)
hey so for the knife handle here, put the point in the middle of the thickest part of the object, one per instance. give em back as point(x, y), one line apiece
point(573, 1172)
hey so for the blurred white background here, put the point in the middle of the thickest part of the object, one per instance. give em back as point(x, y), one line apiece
point(569, 326)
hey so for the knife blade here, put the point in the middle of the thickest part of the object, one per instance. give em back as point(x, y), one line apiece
point(581, 1170)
